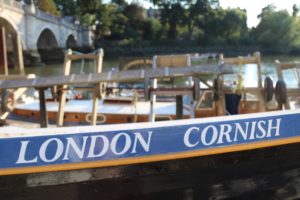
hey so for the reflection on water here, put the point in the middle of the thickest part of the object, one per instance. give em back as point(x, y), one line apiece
point(269, 69)
point(249, 72)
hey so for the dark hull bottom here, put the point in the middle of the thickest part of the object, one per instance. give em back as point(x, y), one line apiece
point(269, 173)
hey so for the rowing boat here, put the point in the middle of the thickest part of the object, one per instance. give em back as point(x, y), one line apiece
point(253, 155)
point(234, 156)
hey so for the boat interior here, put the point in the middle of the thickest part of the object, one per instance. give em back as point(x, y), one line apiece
point(218, 88)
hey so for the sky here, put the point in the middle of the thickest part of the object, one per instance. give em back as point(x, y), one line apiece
point(253, 7)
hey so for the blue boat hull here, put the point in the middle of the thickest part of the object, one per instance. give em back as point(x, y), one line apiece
point(265, 173)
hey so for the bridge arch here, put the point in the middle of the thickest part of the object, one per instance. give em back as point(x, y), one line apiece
point(10, 32)
point(71, 41)
point(47, 39)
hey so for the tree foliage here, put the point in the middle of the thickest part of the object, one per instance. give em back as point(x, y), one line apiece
point(48, 6)
point(67, 7)
point(278, 30)
point(196, 22)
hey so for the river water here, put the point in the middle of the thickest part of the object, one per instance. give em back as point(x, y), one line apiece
point(249, 71)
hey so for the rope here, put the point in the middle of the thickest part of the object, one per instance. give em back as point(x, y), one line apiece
point(101, 119)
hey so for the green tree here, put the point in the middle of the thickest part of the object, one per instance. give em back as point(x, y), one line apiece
point(191, 14)
point(153, 30)
point(213, 27)
point(278, 30)
point(135, 24)
point(112, 23)
point(235, 24)
point(197, 12)
point(67, 7)
point(48, 6)
point(86, 10)
point(223, 26)
point(171, 16)
point(295, 10)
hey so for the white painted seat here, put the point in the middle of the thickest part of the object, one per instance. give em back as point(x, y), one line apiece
point(170, 61)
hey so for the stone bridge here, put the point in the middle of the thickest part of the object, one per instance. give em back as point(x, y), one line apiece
point(40, 30)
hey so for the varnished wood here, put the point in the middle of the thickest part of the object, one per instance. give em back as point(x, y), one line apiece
point(121, 76)
point(99, 62)
point(3, 53)
point(82, 56)
point(63, 96)
point(172, 61)
point(43, 109)
point(245, 60)
point(14, 77)
point(80, 117)
point(255, 59)
point(18, 54)
point(170, 64)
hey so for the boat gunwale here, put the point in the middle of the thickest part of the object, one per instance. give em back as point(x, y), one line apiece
point(22, 132)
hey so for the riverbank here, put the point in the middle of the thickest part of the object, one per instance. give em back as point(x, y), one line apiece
point(116, 51)
point(54, 56)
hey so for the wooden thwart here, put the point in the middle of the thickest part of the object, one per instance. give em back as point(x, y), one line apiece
point(171, 61)
point(255, 59)
point(41, 83)
point(121, 76)
point(98, 57)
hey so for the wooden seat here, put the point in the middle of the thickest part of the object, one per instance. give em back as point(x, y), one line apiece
point(260, 106)
point(171, 61)
point(98, 58)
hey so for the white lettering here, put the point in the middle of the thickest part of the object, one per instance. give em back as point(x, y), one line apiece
point(104, 147)
point(58, 152)
point(262, 130)
point(114, 143)
point(253, 124)
point(22, 159)
point(214, 135)
point(276, 127)
point(144, 144)
point(239, 129)
point(79, 151)
point(224, 132)
point(186, 138)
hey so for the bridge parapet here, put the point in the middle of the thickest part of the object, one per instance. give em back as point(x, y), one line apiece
point(12, 3)
point(53, 18)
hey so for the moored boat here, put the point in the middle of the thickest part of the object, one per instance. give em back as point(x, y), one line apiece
point(206, 93)
point(239, 156)
point(235, 156)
